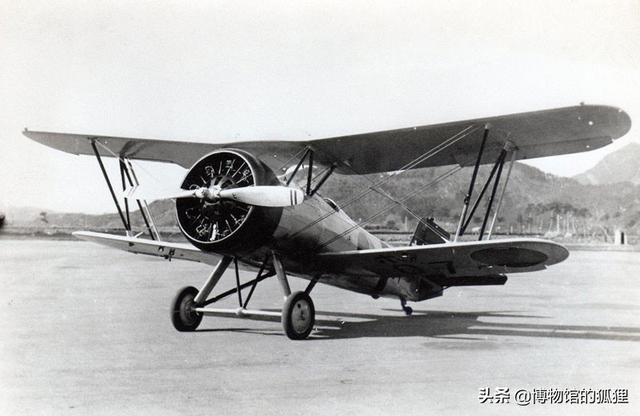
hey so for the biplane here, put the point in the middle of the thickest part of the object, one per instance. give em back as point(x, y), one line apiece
point(258, 206)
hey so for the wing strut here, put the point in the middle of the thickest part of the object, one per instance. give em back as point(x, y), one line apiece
point(500, 163)
point(466, 216)
point(497, 166)
point(467, 197)
point(502, 192)
point(142, 206)
point(126, 171)
point(127, 225)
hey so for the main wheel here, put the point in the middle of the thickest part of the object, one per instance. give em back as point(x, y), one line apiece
point(298, 315)
point(183, 317)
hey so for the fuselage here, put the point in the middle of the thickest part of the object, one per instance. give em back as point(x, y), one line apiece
point(318, 226)
point(299, 233)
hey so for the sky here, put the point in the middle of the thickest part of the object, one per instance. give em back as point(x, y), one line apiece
point(221, 71)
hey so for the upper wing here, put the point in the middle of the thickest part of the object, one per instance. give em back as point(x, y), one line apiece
point(535, 134)
point(184, 154)
point(449, 260)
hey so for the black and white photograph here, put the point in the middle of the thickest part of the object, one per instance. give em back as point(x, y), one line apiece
point(320, 207)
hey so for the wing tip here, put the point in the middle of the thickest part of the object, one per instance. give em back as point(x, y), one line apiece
point(618, 119)
point(624, 121)
point(53, 140)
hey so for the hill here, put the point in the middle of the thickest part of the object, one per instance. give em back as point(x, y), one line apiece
point(533, 203)
point(622, 165)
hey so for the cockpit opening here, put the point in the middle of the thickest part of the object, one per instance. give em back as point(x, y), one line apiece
point(332, 204)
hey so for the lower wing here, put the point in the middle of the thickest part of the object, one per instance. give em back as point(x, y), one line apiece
point(155, 248)
point(450, 260)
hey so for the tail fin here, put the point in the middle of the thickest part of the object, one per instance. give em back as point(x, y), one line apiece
point(428, 232)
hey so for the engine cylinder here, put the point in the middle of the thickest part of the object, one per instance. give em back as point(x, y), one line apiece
point(227, 226)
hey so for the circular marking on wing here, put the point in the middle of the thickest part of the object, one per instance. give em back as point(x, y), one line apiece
point(509, 257)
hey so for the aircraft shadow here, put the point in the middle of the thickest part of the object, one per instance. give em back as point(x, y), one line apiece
point(444, 324)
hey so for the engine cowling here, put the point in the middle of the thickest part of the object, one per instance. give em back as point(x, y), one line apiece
point(227, 226)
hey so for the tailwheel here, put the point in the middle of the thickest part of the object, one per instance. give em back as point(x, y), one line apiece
point(298, 315)
point(183, 316)
point(408, 310)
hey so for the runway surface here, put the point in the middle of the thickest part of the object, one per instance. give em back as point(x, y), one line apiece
point(86, 330)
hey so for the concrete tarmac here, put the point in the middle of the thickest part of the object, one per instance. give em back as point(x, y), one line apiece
point(86, 330)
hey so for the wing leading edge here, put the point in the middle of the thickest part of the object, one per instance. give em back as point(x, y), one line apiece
point(535, 134)
point(154, 248)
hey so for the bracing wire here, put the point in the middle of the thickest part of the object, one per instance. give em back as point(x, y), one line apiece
point(123, 159)
point(423, 157)
point(389, 206)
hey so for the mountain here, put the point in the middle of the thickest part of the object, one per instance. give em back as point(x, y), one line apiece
point(163, 214)
point(533, 202)
point(620, 166)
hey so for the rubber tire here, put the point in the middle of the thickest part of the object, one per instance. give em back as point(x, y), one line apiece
point(183, 320)
point(287, 319)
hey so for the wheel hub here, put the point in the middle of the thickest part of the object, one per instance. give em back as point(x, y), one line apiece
point(187, 312)
point(301, 316)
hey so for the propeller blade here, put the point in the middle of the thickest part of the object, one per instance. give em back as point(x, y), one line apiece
point(151, 194)
point(264, 196)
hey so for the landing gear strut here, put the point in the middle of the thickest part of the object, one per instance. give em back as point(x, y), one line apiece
point(183, 308)
point(298, 312)
point(408, 310)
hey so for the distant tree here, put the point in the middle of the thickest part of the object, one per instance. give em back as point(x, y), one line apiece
point(442, 212)
point(583, 213)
